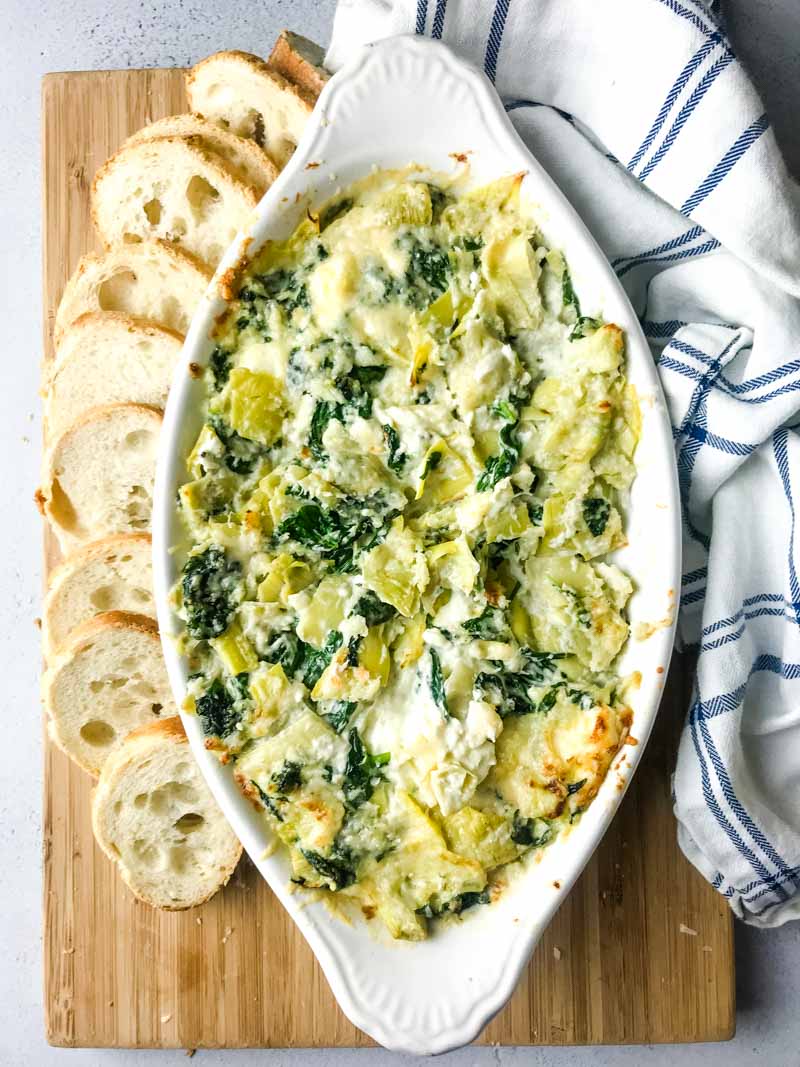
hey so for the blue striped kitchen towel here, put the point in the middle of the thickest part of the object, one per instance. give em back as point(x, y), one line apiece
point(642, 114)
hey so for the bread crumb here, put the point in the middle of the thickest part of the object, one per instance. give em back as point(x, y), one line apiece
point(707, 948)
point(556, 952)
point(69, 951)
point(166, 1018)
point(228, 932)
point(190, 1052)
point(199, 921)
point(37, 622)
point(687, 930)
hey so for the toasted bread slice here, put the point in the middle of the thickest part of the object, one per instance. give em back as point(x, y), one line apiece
point(249, 163)
point(108, 358)
point(154, 816)
point(171, 189)
point(151, 280)
point(300, 62)
point(99, 474)
point(113, 574)
point(242, 93)
point(109, 678)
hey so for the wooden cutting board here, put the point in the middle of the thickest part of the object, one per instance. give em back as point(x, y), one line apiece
point(642, 951)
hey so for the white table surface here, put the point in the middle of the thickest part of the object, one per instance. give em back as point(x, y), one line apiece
point(79, 34)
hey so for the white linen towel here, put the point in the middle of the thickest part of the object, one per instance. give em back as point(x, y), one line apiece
point(643, 116)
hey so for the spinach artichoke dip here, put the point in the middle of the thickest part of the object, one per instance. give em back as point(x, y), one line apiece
point(397, 611)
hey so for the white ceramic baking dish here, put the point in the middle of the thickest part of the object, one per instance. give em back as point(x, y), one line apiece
point(410, 100)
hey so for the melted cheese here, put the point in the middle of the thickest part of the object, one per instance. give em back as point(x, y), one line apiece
point(401, 624)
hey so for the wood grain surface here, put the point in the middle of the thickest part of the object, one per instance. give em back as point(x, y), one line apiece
point(614, 966)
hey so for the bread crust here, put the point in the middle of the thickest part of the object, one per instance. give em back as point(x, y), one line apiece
point(261, 170)
point(103, 412)
point(113, 620)
point(287, 59)
point(103, 266)
point(193, 152)
point(253, 63)
point(139, 742)
point(80, 557)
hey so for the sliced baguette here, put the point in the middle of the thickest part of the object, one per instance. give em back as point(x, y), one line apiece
point(151, 280)
point(109, 679)
point(300, 62)
point(113, 574)
point(249, 163)
point(242, 93)
point(108, 358)
point(171, 189)
point(99, 474)
point(154, 816)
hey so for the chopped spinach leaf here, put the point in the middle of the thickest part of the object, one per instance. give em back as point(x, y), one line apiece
point(583, 323)
point(333, 212)
point(338, 714)
point(373, 610)
point(336, 868)
point(337, 536)
point(575, 787)
point(362, 771)
point(505, 410)
point(431, 463)
point(469, 244)
point(353, 387)
point(437, 683)
point(353, 645)
point(427, 271)
point(541, 666)
point(595, 514)
point(217, 710)
point(323, 413)
point(530, 832)
point(486, 626)
point(397, 459)
point(510, 690)
point(316, 660)
point(287, 649)
point(219, 363)
point(288, 778)
point(210, 586)
point(270, 803)
point(462, 902)
point(241, 454)
point(502, 466)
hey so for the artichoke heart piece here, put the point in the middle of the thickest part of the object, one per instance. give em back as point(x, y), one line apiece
point(254, 404)
point(285, 576)
point(323, 611)
point(270, 689)
point(482, 836)
point(421, 873)
point(579, 608)
point(396, 569)
point(453, 564)
point(235, 651)
point(444, 475)
point(407, 204)
point(342, 681)
point(513, 275)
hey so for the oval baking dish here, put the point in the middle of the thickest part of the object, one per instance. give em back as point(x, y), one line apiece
point(434, 995)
